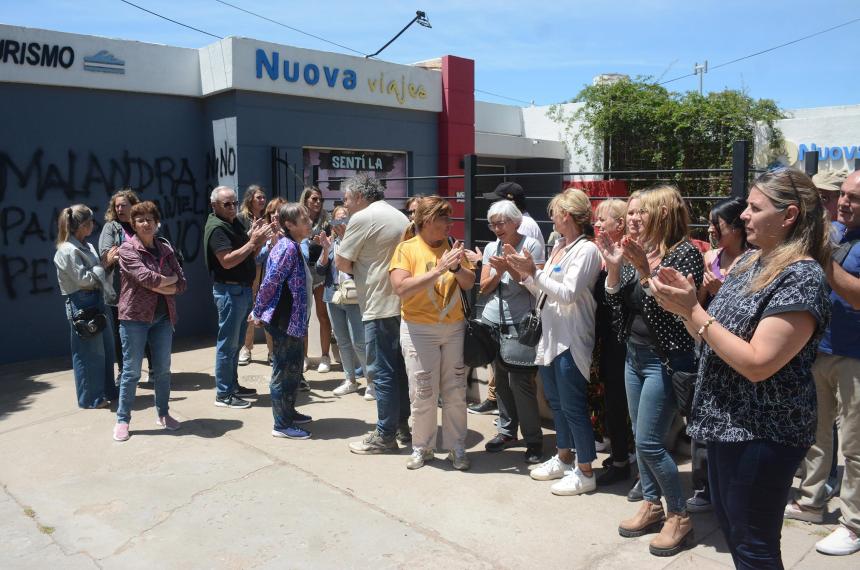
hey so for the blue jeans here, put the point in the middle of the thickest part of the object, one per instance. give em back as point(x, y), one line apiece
point(565, 390)
point(135, 335)
point(287, 359)
point(386, 367)
point(750, 482)
point(234, 306)
point(349, 332)
point(652, 404)
point(92, 358)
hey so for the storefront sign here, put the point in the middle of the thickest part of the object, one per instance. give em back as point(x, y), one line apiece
point(28, 52)
point(829, 152)
point(326, 168)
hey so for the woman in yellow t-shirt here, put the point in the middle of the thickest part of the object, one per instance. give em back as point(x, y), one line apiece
point(427, 273)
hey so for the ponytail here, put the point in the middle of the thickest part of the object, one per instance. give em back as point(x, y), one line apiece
point(70, 220)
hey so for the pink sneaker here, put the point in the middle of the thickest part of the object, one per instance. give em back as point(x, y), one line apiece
point(120, 432)
point(167, 422)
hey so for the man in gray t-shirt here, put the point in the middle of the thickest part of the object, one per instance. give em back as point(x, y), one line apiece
point(374, 230)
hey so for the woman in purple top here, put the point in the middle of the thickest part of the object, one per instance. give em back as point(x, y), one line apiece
point(729, 239)
point(151, 277)
point(281, 307)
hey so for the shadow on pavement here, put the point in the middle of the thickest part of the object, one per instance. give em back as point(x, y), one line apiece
point(202, 427)
point(19, 393)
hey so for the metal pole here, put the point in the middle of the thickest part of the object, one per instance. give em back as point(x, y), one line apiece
point(740, 168)
point(470, 185)
point(810, 163)
point(857, 164)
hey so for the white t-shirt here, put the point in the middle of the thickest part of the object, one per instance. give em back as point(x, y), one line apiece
point(371, 237)
point(529, 227)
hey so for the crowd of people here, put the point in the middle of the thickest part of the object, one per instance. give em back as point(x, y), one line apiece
point(766, 324)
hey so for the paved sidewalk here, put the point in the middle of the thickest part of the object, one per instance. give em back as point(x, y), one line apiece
point(222, 493)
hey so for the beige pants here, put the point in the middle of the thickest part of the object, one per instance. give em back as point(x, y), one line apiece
point(434, 365)
point(837, 385)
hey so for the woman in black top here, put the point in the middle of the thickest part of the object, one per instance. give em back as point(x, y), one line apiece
point(755, 402)
point(657, 346)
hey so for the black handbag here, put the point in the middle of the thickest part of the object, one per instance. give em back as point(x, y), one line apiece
point(89, 322)
point(530, 328)
point(480, 344)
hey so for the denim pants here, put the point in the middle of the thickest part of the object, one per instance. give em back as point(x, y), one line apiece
point(385, 365)
point(287, 359)
point(92, 358)
point(434, 362)
point(565, 390)
point(750, 482)
point(234, 306)
point(349, 332)
point(135, 335)
point(651, 399)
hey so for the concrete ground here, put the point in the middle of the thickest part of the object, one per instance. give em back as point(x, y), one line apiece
point(222, 493)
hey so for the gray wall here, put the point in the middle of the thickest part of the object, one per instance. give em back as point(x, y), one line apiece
point(60, 146)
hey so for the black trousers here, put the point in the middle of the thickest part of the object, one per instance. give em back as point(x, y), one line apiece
point(612, 358)
point(750, 482)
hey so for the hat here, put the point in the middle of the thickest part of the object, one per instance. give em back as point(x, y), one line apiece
point(506, 191)
point(830, 180)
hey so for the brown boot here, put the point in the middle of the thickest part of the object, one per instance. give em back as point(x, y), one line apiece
point(677, 534)
point(649, 519)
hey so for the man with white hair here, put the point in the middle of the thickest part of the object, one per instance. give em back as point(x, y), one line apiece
point(229, 258)
point(374, 230)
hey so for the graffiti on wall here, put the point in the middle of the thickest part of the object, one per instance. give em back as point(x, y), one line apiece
point(34, 189)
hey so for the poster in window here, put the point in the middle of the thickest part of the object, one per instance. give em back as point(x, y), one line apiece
point(327, 168)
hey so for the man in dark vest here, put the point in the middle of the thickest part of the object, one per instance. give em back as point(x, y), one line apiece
point(230, 251)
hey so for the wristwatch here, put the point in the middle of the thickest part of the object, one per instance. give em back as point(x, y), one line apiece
point(456, 269)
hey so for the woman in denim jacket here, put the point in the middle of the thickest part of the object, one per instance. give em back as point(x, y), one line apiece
point(345, 317)
point(86, 285)
point(151, 278)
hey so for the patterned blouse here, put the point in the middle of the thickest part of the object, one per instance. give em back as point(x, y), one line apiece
point(285, 267)
point(670, 331)
point(727, 407)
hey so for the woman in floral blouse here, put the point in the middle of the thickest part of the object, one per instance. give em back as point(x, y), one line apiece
point(755, 402)
point(281, 307)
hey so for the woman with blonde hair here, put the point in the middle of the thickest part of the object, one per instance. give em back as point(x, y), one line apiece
point(85, 284)
point(312, 199)
point(755, 400)
point(116, 231)
point(253, 207)
point(565, 291)
point(609, 220)
point(428, 273)
point(657, 346)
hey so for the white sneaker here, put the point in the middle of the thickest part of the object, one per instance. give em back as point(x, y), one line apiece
point(348, 387)
point(305, 365)
point(840, 542)
point(574, 483)
point(324, 365)
point(796, 512)
point(370, 392)
point(601, 446)
point(419, 457)
point(244, 356)
point(552, 468)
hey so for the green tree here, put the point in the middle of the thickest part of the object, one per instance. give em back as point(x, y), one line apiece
point(634, 124)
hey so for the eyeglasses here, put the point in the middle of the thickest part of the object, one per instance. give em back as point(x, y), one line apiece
point(232, 204)
point(641, 211)
point(340, 222)
point(314, 199)
point(494, 225)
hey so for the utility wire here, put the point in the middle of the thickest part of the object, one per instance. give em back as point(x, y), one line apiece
point(170, 20)
point(504, 97)
point(289, 27)
point(818, 33)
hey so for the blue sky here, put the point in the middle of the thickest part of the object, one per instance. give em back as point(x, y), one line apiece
point(530, 51)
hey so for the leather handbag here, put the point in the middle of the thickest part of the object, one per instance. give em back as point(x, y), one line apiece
point(531, 329)
point(513, 354)
point(89, 322)
point(346, 293)
point(480, 344)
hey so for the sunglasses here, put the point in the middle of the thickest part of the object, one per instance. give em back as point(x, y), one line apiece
point(232, 204)
point(782, 170)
